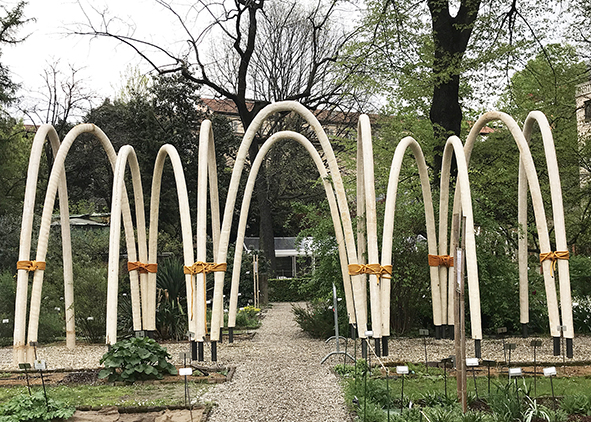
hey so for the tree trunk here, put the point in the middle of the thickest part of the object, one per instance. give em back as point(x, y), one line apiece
point(450, 36)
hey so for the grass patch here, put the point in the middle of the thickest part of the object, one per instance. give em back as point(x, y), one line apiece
point(109, 395)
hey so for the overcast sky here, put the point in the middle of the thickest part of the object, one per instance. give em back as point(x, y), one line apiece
point(102, 62)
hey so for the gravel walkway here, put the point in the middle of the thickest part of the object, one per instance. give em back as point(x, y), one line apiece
point(278, 376)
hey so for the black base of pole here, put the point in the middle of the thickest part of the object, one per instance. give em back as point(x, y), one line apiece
point(231, 335)
point(524, 332)
point(444, 332)
point(377, 342)
point(477, 349)
point(353, 332)
point(364, 348)
point(452, 332)
point(214, 351)
point(556, 346)
point(569, 348)
point(193, 350)
point(151, 334)
point(200, 351)
point(438, 331)
point(385, 351)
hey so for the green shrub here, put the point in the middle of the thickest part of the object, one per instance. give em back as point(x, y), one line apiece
point(576, 404)
point(317, 318)
point(136, 359)
point(33, 408)
point(286, 290)
point(582, 314)
point(248, 317)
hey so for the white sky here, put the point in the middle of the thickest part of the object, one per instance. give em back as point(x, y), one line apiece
point(103, 62)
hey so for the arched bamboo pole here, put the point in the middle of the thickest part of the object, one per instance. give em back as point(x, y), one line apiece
point(409, 142)
point(529, 170)
point(380, 320)
point(185, 216)
point(20, 313)
point(207, 175)
point(360, 306)
point(302, 140)
point(454, 147)
point(52, 186)
point(557, 214)
point(125, 156)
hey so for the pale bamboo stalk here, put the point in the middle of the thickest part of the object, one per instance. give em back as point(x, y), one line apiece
point(405, 143)
point(52, 187)
point(184, 213)
point(522, 252)
point(199, 297)
point(361, 222)
point(360, 308)
point(126, 156)
point(44, 132)
point(279, 136)
point(453, 147)
point(379, 295)
point(557, 214)
point(537, 202)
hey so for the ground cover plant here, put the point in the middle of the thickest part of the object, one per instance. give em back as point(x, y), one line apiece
point(138, 358)
point(374, 398)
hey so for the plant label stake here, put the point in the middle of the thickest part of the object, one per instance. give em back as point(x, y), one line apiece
point(488, 364)
point(535, 344)
point(402, 370)
point(40, 366)
point(337, 337)
point(425, 334)
point(26, 366)
point(500, 332)
point(473, 363)
point(185, 371)
point(509, 347)
point(515, 372)
point(551, 372)
point(562, 329)
point(445, 362)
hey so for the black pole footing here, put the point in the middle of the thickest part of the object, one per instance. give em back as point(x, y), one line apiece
point(569, 348)
point(353, 332)
point(364, 348)
point(556, 347)
point(231, 335)
point(438, 331)
point(452, 332)
point(214, 351)
point(385, 351)
point(193, 350)
point(477, 348)
point(200, 351)
point(378, 346)
point(524, 332)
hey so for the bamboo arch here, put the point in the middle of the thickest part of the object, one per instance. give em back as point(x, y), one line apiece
point(351, 255)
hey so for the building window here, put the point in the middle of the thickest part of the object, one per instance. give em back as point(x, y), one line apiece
point(588, 110)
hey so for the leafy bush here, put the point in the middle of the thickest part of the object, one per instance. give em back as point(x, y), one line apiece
point(33, 408)
point(576, 404)
point(286, 289)
point(171, 317)
point(248, 317)
point(136, 359)
point(317, 319)
point(582, 314)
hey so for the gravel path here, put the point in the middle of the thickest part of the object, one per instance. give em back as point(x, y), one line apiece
point(278, 376)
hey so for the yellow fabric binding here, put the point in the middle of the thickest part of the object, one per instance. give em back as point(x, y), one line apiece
point(554, 256)
point(141, 267)
point(372, 269)
point(441, 260)
point(30, 265)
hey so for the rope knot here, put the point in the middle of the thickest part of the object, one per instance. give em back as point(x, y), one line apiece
point(30, 265)
point(441, 260)
point(204, 267)
point(372, 269)
point(554, 256)
point(142, 267)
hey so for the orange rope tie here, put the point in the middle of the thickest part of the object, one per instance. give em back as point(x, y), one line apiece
point(206, 268)
point(372, 269)
point(142, 267)
point(441, 260)
point(30, 265)
point(553, 256)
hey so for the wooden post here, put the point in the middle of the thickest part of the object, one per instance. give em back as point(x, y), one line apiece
point(459, 327)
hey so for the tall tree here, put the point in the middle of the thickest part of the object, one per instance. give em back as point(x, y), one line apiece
point(427, 51)
point(270, 51)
